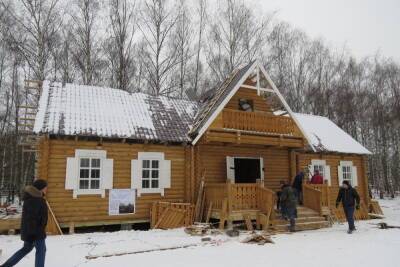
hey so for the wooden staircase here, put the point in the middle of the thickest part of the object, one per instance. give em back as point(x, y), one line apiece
point(307, 219)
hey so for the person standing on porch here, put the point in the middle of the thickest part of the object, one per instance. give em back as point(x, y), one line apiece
point(317, 178)
point(33, 224)
point(298, 186)
point(350, 199)
point(289, 200)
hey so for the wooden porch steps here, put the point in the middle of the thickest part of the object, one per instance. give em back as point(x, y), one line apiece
point(303, 226)
point(307, 219)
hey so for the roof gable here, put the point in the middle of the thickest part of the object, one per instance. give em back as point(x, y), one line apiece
point(210, 110)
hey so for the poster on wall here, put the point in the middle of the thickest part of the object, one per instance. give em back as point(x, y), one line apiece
point(122, 201)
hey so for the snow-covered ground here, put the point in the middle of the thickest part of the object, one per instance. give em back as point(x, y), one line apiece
point(368, 246)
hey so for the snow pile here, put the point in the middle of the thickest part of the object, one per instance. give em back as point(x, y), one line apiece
point(329, 247)
point(107, 112)
point(327, 136)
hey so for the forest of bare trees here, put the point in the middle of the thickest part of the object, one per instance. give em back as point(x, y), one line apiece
point(182, 48)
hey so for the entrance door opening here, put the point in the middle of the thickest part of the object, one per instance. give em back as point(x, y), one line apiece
point(247, 170)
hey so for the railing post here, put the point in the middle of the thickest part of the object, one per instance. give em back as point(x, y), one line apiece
point(229, 194)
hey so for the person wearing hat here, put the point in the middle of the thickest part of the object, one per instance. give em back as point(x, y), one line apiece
point(33, 224)
point(350, 199)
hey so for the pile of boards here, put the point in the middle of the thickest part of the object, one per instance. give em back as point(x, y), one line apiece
point(167, 215)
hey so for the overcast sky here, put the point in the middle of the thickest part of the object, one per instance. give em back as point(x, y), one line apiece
point(363, 26)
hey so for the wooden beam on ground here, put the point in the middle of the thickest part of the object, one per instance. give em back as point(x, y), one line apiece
point(209, 212)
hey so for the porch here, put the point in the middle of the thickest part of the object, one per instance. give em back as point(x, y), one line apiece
point(229, 202)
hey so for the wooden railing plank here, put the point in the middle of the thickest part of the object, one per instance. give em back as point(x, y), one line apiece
point(258, 122)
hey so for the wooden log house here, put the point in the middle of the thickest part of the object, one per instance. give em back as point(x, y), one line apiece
point(108, 154)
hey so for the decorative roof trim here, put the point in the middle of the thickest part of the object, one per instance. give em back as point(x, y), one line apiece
point(223, 103)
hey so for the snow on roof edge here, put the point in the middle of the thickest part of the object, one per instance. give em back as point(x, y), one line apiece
point(324, 137)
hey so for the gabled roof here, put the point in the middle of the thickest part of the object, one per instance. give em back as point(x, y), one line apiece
point(326, 136)
point(106, 112)
point(211, 104)
point(214, 105)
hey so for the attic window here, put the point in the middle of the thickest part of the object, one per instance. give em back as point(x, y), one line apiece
point(246, 105)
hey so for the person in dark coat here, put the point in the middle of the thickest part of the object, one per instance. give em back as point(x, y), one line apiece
point(298, 186)
point(317, 178)
point(33, 224)
point(279, 205)
point(289, 200)
point(350, 199)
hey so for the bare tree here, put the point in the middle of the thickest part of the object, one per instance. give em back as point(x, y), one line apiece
point(202, 13)
point(182, 46)
point(120, 42)
point(32, 25)
point(156, 25)
point(85, 48)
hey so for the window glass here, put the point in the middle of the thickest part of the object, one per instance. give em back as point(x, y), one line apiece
point(321, 169)
point(89, 173)
point(85, 163)
point(150, 173)
point(146, 163)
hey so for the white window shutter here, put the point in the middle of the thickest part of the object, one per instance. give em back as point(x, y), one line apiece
point(136, 178)
point(71, 178)
point(107, 169)
point(165, 175)
point(354, 177)
point(310, 171)
point(340, 175)
point(327, 172)
point(262, 168)
point(230, 169)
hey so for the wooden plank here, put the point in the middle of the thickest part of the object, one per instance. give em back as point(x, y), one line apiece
point(210, 206)
point(249, 224)
point(224, 214)
point(52, 227)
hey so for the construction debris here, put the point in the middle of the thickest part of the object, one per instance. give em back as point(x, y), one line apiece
point(198, 229)
point(384, 225)
point(258, 238)
point(232, 232)
point(376, 216)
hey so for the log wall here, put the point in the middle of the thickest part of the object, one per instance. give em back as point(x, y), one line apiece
point(93, 209)
point(333, 160)
point(212, 160)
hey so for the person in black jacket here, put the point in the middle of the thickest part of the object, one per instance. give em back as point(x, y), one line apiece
point(289, 200)
point(350, 199)
point(33, 224)
point(298, 186)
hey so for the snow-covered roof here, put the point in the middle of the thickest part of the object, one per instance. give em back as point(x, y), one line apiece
point(106, 112)
point(327, 136)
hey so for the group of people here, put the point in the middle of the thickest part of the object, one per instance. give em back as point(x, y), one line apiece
point(290, 196)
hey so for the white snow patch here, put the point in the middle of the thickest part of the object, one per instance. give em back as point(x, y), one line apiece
point(330, 247)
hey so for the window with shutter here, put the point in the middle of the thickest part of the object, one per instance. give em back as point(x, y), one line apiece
point(89, 172)
point(323, 169)
point(347, 172)
point(151, 173)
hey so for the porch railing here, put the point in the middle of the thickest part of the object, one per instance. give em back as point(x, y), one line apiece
point(312, 198)
point(252, 121)
point(240, 197)
point(325, 193)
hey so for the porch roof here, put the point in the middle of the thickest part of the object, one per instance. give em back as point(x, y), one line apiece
point(327, 136)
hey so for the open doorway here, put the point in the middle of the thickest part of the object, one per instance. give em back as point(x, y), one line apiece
point(245, 170)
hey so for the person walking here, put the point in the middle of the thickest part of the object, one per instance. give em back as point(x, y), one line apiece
point(317, 178)
point(33, 224)
point(288, 198)
point(298, 186)
point(350, 199)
